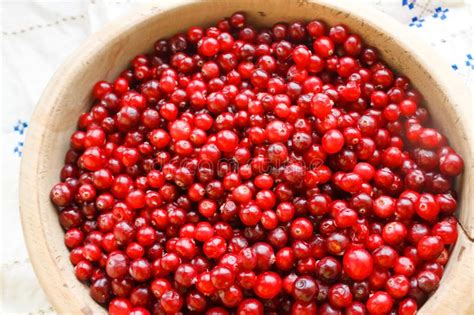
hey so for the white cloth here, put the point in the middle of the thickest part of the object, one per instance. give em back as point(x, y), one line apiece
point(38, 35)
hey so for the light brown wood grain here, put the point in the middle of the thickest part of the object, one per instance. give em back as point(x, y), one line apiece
point(106, 53)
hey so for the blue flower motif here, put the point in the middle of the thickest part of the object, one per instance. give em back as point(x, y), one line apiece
point(409, 3)
point(440, 13)
point(469, 61)
point(20, 127)
point(19, 148)
point(415, 21)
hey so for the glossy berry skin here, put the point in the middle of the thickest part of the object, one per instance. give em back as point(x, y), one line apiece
point(397, 286)
point(267, 285)
point(358, 264)
point(305, 289)
point(301, 228)
point(120, 306)
point(430, 247)
point(226, 140)
point(250, 306)
point(407, 307)
point(171, 301)
point(333, 141)
point(222, 277)
point(379, 303)
point(321, 105)
point(234, 169)
point(340, 296)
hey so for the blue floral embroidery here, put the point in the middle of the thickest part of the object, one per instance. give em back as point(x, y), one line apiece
point(19, 128)
point(415, 21)
point(441, 13)
point(409, 3)
point(469, 61)
point(19, 148)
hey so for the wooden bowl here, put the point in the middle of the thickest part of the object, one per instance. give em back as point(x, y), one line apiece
point(106, 53)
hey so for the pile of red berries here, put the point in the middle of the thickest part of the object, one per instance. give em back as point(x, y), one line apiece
point(243, 171)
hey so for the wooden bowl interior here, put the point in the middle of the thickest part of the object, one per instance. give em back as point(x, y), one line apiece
point(107, 53)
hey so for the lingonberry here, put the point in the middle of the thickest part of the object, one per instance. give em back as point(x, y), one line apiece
point(250, 306)
point(340, 295)
point(237, 170)
point(358, 264)
point(171, 301)
point(323, 46)
point(221, 277)
point(267, 285)
point(305, 289)
point(394, 233)
point(397, 286)
point(429, 247)
point(404, 266)
point(407, 306)
point(333, 141)
point(214, 247)
point(301, 228)
point(379, 303)
point(120, 306)
point(328, 269)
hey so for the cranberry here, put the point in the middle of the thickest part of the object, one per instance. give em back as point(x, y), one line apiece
point(430, 247)
point(358, 264)
point(221, 277)
point(328, 269)
point(61, 194)
point(117, 265)
point(140, 269)
point(323, 46)
point(446, 231)
point(333, 141)
point(394, 233)
point(100, 290)
point(214, 247)
point(305, 289)
point(250, 306)
point(238, 170)
point(397, 286)
point(385, 256)
point(120, 306)
point(340, 295)
point(267, 285)
point(301, 228)
point(404, 266)
point(226, 140)
point(171, 301)
point(426, 207)
point(379, 303)
point(407, 307)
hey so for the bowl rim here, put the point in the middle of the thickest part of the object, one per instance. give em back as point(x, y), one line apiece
point(35, 237)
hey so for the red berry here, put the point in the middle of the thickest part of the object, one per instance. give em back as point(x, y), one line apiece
point(323, 46)
point(321, 105)
point(333, 141)
point(430, 247)
point(250, 306)
point(358, 264)
point(208, 46)
point(267, 285)
point(243, 170)
point(379, 303)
